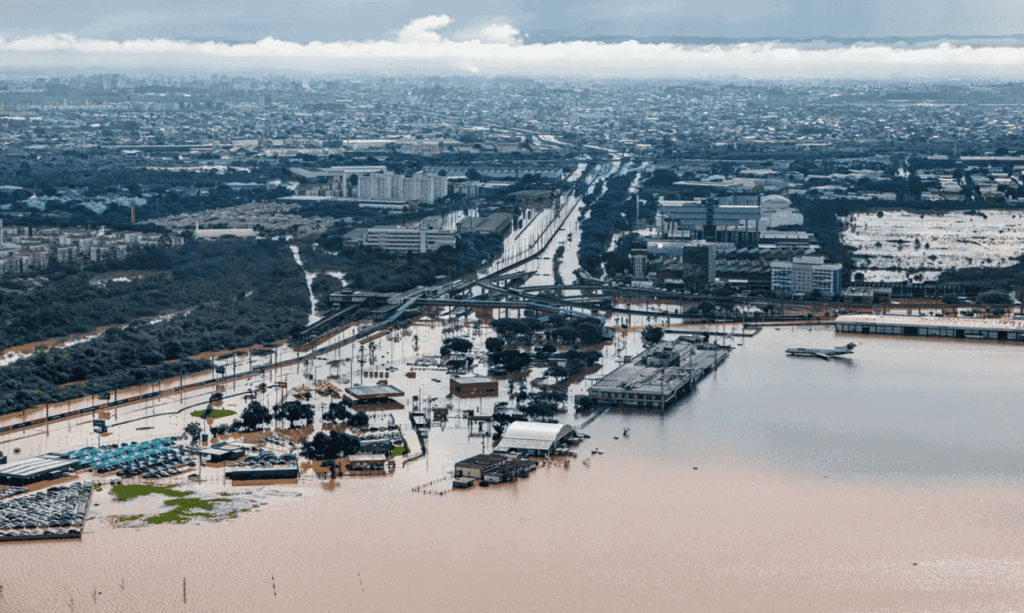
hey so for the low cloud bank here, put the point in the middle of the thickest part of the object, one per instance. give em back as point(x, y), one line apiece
point(499, 49)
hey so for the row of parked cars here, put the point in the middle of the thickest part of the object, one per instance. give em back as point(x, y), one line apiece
point(163, 464)
point(56, 507)
point(266, 459)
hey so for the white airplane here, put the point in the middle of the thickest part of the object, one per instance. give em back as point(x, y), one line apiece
point(819, 352)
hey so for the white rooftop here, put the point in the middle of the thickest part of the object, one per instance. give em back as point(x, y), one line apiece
point(951, 322)
point(532, 435)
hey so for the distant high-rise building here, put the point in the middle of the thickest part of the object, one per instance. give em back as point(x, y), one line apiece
point(715, 222)
point(638, 259)
point(805, 275)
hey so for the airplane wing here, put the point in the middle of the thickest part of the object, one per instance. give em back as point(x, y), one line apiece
point(821, 355)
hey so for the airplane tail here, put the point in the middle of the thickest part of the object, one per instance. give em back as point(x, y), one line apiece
point(851, 346)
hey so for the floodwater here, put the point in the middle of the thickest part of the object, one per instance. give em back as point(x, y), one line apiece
point(889, 481)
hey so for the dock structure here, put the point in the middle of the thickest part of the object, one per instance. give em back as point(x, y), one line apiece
point(933, 327)
point(659, 376)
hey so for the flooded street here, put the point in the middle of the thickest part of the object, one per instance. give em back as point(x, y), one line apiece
point(889, 480)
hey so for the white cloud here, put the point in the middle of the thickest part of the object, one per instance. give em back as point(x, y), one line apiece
point(424, 29)
point(499, 33)
point(498, 49)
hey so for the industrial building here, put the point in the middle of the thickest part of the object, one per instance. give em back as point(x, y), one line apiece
point(805, 275)
point(491, 468)
point(223, 452)
point(472, 387)
point(533, 438)
point(658, 376)
point(422, 237)
point(498, 223)
point(932, 327)
point(689, 265)
point(369, 463)
point(700, 220)
point(374, 397)
point(259, 473)
point(33, 470)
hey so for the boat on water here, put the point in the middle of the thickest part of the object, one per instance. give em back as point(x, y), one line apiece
point(823, 353)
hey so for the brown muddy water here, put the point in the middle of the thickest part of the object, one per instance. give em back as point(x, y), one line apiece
point(887, 482)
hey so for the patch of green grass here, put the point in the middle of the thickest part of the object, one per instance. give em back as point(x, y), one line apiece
point(397, 451)
point(123, 492)
point(216, 413)
point(185, 509)
point(126, 518)
point(97, 487)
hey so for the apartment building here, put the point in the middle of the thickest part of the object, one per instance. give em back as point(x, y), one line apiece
point(805, 275)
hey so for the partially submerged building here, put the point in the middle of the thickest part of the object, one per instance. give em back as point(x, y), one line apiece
point(491, 468)
point(374, 397)
point(33, 470)
point(533, 438)
point(658, 376)
point(932, 327)
point(223, 452)
point(473, 386)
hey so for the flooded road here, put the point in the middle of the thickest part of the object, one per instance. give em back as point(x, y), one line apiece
point(889, 481)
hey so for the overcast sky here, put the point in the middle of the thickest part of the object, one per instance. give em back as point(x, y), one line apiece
point(397, 35)
point(332, 20)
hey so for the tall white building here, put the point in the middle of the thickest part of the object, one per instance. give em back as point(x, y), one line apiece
point(803, 275)
point(371, 183)
point(416, 240)
point(420, 188)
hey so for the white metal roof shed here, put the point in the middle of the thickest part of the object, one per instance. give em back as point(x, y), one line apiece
point(528, 435)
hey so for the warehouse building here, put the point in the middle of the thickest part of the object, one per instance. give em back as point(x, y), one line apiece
point(223, 452)
point(33, 470)
point(932, 327)
point(491, 468)
point(261, 473)
point(473, 387)
point(374, 397)
point(532, 438)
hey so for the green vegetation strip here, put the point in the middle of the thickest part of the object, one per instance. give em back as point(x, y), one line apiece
point(216, 413)
point(184, 505)
point(126, 518)
point(185, 509)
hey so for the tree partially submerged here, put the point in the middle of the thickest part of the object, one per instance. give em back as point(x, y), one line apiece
point(330, 446)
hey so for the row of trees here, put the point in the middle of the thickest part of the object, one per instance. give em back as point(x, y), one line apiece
point(255, 284)
point(245, 294)
point(608, 214)
point(330, 445)
point(383, 271)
